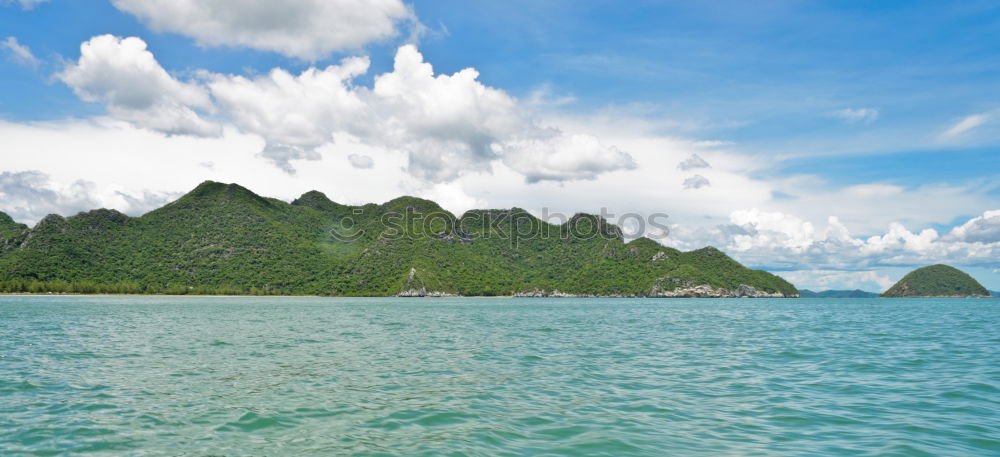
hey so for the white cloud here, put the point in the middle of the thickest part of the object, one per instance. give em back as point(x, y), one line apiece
point(123, 160)
point(26, 4)
point(563, 157)
point(446, 125)
point(693, 162)
point(543, 97)
point(144, 201)
point(18, 52)
point(785, 241)
point(854, 115)
point(968, 123)
point(124, 75)
point(980, 229)
point(28, 196)
point(696, 182)
point(361, 161)
point(819, 280)
point(295, 114)
point(711, 143)
point(764, 229)
point(873, 190)
point(306, 29)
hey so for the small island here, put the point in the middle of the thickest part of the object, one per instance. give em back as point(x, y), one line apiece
point(937, 281)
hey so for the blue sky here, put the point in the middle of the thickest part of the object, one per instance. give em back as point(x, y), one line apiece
point(871, 112)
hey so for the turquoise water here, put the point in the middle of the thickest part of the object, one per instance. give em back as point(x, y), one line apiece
point(165, 376)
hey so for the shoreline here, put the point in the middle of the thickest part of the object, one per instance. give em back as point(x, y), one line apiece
point(29, 294)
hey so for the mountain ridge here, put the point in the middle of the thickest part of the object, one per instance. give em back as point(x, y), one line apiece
point(224, 238)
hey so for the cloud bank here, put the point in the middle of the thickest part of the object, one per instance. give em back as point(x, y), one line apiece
point(784, 241)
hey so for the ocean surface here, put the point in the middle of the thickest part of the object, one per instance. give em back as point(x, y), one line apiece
point(168, 376)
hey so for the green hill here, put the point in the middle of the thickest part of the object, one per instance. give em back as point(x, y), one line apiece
point(857, 293)
point(224, 239)
point(937, 281)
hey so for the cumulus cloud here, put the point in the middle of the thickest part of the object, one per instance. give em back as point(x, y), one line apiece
point(18, 53)
point(124, 75)
point(145, 201)
point(693, 162)
point(446, 125)
point(762, 229)
point(696, 182)
point(361, 161)
point(787, 242)
point(295, 114)
point(863, 115)
point(28, 196)
point(559, 157)
point(968, 123)
point(818, 280)
point(306, 29)
point(980, 229)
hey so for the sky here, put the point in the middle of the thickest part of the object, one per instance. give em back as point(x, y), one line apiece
point(837, 144)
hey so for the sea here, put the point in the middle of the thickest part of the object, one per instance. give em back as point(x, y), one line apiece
point(278, 376)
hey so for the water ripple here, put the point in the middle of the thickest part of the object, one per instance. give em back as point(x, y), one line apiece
point(161, 376)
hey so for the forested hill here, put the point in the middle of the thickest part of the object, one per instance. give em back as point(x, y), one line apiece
point(937, 281)
point(223, 238)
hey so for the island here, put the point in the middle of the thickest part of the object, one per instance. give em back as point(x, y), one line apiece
point(224, 239)
point(937, 281)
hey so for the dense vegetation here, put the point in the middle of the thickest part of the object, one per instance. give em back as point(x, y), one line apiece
point(937, 281)
point(857, 293)
point(224, 239)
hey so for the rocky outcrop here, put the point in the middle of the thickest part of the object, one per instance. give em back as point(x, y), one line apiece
point(676, 287)
point(687, 290)
point(539, 293)
point(706, 291)
point(425, 293)
point(415, 288)
point(12, 243)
